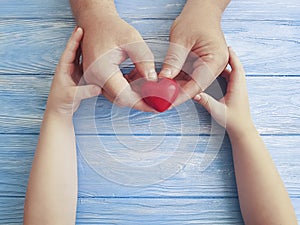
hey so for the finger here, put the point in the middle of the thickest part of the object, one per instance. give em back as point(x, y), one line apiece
point(234, 61)
point(186, 92)
point(215, 108)
point(138, 105)
point(105, 67)
point(87, 91)
point(143, 59)
point(237, 76)
point(121, 94)
point(174, 60)
point(70, 52)
point(105, 72)
point(201, 78)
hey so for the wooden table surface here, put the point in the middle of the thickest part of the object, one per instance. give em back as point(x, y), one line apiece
point(33, 33)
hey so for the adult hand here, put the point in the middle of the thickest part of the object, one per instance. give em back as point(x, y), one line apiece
point(108, 41)
point(197, 46)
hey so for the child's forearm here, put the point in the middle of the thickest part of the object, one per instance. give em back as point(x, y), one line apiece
point(262, 195)
point(52, 189)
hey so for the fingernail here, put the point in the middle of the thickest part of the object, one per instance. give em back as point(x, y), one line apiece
point(166, 72)
point(76, 28)
point(152, 75)
point(197, 98)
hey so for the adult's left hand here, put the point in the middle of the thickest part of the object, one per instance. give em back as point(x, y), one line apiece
point(197, 46)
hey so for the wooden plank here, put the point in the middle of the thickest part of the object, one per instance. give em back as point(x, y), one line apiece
point(32, 36)
point(163, 211)
point(241, 10)
point(34, 46)
point(275, 109)
point(159, 211)
point(217, 180)
point(11, 210)
point(143, 211)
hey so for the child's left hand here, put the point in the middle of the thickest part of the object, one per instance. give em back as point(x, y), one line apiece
point(66, 92)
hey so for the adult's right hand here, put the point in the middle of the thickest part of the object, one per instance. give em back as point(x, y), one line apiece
point(108, 41)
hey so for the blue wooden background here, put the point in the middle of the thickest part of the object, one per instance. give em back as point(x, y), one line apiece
point(265, 34)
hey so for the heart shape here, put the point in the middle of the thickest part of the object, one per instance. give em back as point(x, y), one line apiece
point(160, 94)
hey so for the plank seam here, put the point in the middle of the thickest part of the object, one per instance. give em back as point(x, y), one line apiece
point(248, 75)
point(129, 16)
point(155, 135)
point(149, 197)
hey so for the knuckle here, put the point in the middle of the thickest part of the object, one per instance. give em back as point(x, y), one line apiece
point(205, 101)
point(173, 58)
point(145, 55)
point(132, 34)
point(217, 61)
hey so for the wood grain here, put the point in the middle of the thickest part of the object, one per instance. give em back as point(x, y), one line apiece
point(165, 9)
point(33, 33)
point(142, 211)
point(33, 46)
point(159, 211)
point(139, 211)
point(217, 180)
point(275, 109)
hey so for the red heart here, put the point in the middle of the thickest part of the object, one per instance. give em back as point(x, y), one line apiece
point(161, 94)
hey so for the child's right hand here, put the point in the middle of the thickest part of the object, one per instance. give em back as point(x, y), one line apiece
point(232, 111)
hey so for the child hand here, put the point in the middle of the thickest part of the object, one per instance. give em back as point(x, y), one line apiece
point(66, 91)
point(232, 111)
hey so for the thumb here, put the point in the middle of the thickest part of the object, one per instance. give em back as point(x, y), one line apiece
point(87, 91)
point(214, 107)
point(174, 60)
point(143, 59)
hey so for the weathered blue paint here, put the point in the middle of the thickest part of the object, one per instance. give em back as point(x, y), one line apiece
point(264, 33)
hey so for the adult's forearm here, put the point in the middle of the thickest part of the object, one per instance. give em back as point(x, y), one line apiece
point(89, 9)
point(207, 6)
point(262, 195)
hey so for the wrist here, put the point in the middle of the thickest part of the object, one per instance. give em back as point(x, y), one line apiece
point(215, 5)
point(209, 10)
point(241, 130)
point(86, 11)
point(60, 114)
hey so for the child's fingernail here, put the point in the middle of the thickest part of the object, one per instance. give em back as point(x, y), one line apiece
point(166, 72)
point(197, 98)
point(152, 75)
